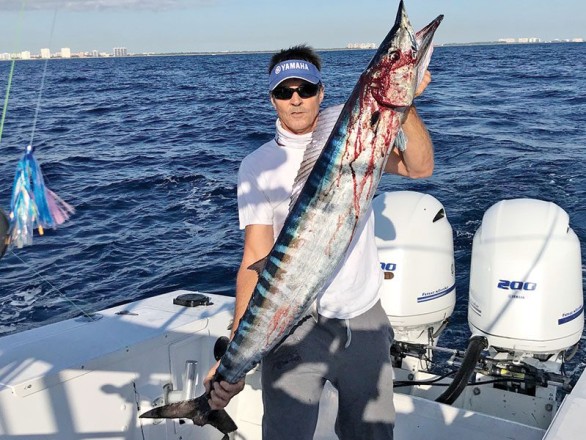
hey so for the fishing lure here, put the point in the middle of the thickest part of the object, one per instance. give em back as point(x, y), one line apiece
point(33, 205)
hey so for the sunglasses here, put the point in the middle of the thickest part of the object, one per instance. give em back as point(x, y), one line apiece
point(306, 90)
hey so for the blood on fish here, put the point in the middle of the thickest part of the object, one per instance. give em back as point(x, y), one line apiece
point(279, 322)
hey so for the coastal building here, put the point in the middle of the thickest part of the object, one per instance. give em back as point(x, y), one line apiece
point(5, 56)
point(25, 55)
point(529, 40)
point(361, 46)
point(120, 52)
point(65, 52)
point(522, 40)
point(45, 53)
point(95, 54)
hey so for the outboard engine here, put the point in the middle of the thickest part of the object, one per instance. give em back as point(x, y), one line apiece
point(526, 283)
point(525, 305)
point(416, 251)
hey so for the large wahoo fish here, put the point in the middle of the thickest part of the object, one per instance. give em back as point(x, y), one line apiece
point(333, 190)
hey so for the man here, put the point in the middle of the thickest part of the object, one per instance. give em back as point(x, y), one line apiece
point(348, 340)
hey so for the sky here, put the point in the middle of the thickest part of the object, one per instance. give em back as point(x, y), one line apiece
point(250, 25)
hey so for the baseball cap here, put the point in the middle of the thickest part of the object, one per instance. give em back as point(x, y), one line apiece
point(293, 69)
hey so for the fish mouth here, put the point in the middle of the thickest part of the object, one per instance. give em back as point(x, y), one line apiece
point(425, 37)
point(401, 65)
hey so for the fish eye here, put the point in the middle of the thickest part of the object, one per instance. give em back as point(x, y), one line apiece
point(394, 56)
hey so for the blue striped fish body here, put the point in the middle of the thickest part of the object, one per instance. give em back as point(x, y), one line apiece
point(331, 196)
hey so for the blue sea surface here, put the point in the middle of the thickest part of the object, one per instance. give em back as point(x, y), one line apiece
point(147, 150)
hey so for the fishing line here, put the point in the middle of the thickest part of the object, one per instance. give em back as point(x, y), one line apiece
point(44, 75)
point(11, 73)
point(60, 293)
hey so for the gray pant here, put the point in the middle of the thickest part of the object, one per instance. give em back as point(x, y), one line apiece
point(354, 355)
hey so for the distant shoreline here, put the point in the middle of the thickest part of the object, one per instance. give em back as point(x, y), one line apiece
point(252, 52)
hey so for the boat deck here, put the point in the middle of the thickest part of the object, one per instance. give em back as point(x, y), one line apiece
point(91, 379)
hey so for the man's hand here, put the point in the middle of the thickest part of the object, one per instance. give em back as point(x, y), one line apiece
point(417, 160)
point(422, 86)
point(221, 392)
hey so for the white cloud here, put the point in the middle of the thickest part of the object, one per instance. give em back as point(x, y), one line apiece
point(96, 5)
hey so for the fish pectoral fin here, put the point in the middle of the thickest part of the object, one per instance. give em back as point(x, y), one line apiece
point(259, 266)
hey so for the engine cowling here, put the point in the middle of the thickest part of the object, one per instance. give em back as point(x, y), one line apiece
point(526, 278)
point(416, 251)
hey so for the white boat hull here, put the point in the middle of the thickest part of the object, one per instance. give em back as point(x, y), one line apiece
point(90, 380)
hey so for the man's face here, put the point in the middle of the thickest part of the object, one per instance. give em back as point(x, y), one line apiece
point(298, 115)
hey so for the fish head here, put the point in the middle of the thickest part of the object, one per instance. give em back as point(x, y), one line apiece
point(394, 72)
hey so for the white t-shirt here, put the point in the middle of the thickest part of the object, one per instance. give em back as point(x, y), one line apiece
point(265, 183)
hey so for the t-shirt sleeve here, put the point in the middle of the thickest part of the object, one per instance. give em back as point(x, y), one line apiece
point(254, 208)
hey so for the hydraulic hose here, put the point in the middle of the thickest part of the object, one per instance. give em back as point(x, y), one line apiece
point(475, 346)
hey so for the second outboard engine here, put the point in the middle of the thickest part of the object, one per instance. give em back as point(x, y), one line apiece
point(416, 251)
point(526, 281)
point(526, 305)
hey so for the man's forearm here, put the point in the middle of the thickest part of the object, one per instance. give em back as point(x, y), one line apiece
point(245, 283)
point(418, 156)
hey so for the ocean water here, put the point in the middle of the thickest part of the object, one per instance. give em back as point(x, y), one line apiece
point(147, 150)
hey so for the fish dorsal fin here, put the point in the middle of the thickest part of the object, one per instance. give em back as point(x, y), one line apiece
point(325, 124)
point(259, 266)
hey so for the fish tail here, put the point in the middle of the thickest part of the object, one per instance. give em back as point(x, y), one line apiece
point(198, 410)
point(220, 420)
